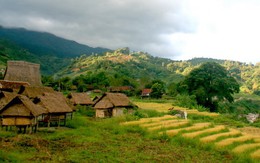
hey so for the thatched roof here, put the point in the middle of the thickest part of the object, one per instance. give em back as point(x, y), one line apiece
point(21, 106)
point(23, 71)
point(80, 99)
point(6, 97)
point(110, 100)
point(54, 102)
point(34, 91)
point(6, 84)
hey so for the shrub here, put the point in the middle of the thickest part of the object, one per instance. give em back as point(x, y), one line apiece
point(147, 113)
point(86, 110)
point(185, 101)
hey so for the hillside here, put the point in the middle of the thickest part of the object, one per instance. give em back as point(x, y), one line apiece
point(42, 43)
point(141, 68)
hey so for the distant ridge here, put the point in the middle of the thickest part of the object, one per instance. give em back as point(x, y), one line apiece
point(43, 43)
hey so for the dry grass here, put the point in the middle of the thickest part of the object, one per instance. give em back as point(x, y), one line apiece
point(163, 107)
point(215, 136)
point(256, 154)
point(149, 120)
point(251, 130)
point(210, 130)
point(230, 141)
point(166, 122)
point(244, 147)
point(158, 118)
point(196, 126)
point(177, 124)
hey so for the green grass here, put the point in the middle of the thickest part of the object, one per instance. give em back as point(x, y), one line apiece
point(88, 139)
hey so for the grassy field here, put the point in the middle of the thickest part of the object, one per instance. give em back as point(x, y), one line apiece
point(105, 140)
point(145, 136)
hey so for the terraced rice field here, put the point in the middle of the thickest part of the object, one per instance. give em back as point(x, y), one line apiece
point(238, 141)
point(164, 107)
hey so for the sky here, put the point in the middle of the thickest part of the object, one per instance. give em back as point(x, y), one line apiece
point(175, 29)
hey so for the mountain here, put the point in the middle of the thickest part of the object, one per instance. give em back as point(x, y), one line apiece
point(52, 52)
point(42, 43)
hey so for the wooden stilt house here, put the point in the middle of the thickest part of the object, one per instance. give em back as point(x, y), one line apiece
point(57, 108)
point(21, 112)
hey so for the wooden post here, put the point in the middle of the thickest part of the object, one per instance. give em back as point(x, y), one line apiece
point(65, 119)
point(30, 129)
point(49, 121)
point(59, 121)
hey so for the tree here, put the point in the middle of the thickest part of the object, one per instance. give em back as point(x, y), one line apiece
point(157, 90)
point(211, 83)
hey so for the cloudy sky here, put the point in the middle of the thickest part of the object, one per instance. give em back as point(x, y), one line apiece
point(176, 29)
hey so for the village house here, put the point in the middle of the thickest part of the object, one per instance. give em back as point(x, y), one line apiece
point(58, 110)
point(112, 104)
point(23, 72)
point(79, 99)
point(146, 92)
point(22, 113)
point(43, 103)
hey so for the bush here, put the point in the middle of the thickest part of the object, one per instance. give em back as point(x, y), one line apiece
point(185, 101)
point(86, 110)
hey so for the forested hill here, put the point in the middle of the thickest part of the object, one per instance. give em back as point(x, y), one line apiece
point(11, 51)
point(42, 43)
point(138, 68)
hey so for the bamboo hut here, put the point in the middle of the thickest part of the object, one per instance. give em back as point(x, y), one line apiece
point(80, 99)
point(21, 112)
point(57, 108)
point(23, 71)
point(112, 104)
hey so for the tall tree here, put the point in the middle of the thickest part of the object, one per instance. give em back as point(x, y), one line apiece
point(211, 83)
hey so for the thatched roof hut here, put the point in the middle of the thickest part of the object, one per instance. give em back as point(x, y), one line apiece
point(34, 91)
point(54, 102)
point(56, 105)
point(12, 86)
point(20, 111)
point(112, 104)
point(80, 99)
point(6, 97)
point(23, 71)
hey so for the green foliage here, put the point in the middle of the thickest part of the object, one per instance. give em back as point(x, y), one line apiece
point(210, 83)
point(86, 110)
point(184, 100)
point(157, 90)
point(139, 113)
